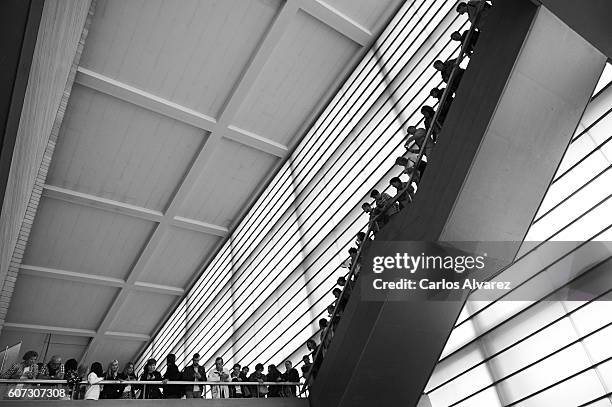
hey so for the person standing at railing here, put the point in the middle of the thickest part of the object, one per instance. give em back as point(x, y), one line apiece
point(381, 200)
point(408, 166)
point(258, 376)
point(96, 375)
point(373, 214)
point(437, 93)
point(195, 373)
point(150, 373)
point(471, 8)
point(445, 69)
point(414, 143)
point(71, 375)
point(26, 369)
point(406, 196)
point(306, 366)
point(244, 377)
point(172, 391)
point(274, 375)
point(428, 113)
point(112, 391)
point(235, 392)
point(54, 369)
point(219, 374)
point(127, 375)
point(457, 36)
point(290, 375)
point(360, 238)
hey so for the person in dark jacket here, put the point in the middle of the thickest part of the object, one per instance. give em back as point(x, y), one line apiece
point(112, 391)
point(172, 373)
point(274, 375)
point(128, 374)
point(290, 375)
point(151, 374)
point(244, 377)
point(195, 373)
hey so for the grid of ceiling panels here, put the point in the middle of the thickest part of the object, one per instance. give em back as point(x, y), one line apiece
point(260, 298)
point(547, 351)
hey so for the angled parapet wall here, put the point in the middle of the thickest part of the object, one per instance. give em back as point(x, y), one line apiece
point(518, 105)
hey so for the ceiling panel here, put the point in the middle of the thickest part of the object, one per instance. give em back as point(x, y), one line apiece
point(298, 74)
point(366, 13)
point(192, 54)
point(141, 311)
point(198, 49)
point(62, 303)
point(116, 150)
point(81, 239)
point(66, 346)
point(110, 349)
point(226, 184)
point(181, 252)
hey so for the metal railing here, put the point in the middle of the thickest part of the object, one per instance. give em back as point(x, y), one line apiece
point(350, 278)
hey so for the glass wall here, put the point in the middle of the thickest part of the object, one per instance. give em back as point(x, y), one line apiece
point(260, 297)
point(547, 351)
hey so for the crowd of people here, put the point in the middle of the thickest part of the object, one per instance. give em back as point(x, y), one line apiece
point(229, 381)
point(418, 145)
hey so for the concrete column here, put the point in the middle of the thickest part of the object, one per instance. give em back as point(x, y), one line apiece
point(515, 111)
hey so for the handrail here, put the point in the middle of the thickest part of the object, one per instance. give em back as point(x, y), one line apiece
point(394, 199)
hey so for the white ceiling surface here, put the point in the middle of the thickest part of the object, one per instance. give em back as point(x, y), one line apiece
point(180, 111)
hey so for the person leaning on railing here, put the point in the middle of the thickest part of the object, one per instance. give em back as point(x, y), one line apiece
point(196, 373)
point(290, 375)
point(129, 391)
point(274, 375)
point(112, 391)
point(235, 391)
point(96, 375)
point(26, 369)
point(71, 375)
point(258, 376)
point(244, 377)
point(172, 391)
